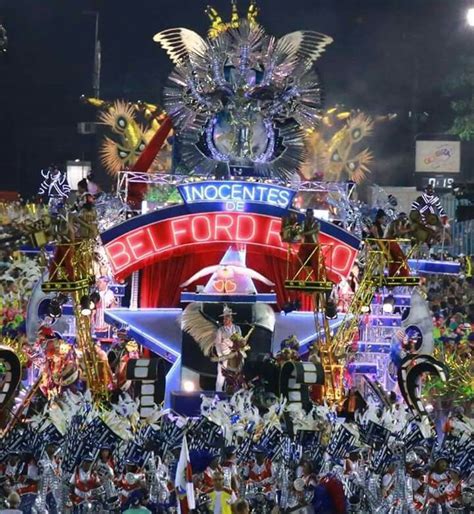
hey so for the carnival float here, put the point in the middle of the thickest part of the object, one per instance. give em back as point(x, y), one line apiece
point(232, 327)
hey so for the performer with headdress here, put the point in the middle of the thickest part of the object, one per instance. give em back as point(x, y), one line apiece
point(351, 463)
point(308, 475)
point(86, 219)
point(211, 469)
point(454, 491)
point(129, 350)
point(377, 230)
point(418, 487)
point(11, 468)
point(438, 482)
point(352, 403)
point(289, 350)
point(28, 476)
point(290, 228)
point(230, 470)
point(61, 366)
point(49, 494)
point(398, 228)
point(106, 458)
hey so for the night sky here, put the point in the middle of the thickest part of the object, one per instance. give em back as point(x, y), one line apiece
point(388, 56)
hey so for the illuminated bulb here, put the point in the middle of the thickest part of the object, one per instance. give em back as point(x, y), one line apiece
point(188, 386)
point(388, 304)
point(86, 306)
point(470, 16)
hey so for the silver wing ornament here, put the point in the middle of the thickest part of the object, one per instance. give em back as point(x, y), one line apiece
point(181, 44)
point(243, 99)
point(303, 47)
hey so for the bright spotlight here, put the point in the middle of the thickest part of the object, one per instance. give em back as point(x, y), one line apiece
point(188, 386)
point(470, 16)
point(86, 305)
point(388, 304)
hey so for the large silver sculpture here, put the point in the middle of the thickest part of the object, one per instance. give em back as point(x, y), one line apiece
point(241, 99)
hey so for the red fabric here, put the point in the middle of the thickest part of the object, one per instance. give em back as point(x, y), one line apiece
point(336, 492)
point(136, 191)
point(160, 281)
point(183, 505)
point(154, 146)
point(62, 260)
point(398, 265)
point(257, 474)
point(275, 269)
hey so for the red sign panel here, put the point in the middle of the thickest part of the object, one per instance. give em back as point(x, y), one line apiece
point(155, 241)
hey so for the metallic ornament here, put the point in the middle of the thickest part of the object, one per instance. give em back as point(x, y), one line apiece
point(242, 98)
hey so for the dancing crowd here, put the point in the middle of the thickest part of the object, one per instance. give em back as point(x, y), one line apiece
point(237, 458)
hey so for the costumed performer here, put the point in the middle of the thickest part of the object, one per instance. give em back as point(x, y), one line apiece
point(63, 233)
point(377, 229)
point(429, 203)
point(308, 252)
point(290, 228)
point(224, 345)
point(84, 481)
point(398, 228)
point(221, 498)
point(132, 479)
point(55, 186)
point(107, 301)
point(260, 471)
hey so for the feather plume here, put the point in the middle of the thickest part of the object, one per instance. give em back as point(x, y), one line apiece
point(181, 44)
point(264, 316)
point(302, 45)
point(199, 327)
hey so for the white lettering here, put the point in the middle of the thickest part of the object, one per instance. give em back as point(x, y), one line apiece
point(284, 198)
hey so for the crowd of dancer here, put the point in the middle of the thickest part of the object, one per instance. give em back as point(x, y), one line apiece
point(381, 459)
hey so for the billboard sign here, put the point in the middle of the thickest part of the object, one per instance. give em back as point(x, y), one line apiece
point(438, 156)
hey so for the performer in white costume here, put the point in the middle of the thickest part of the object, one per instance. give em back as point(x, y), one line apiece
point(224, 345)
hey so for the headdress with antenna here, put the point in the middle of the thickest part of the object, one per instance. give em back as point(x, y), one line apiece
point(218, 25)
point(227, 311)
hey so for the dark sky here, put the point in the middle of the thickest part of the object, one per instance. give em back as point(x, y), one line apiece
point(388, 56)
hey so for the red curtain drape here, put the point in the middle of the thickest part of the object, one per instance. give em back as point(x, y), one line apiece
point(275, 269)
point(160, 281)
